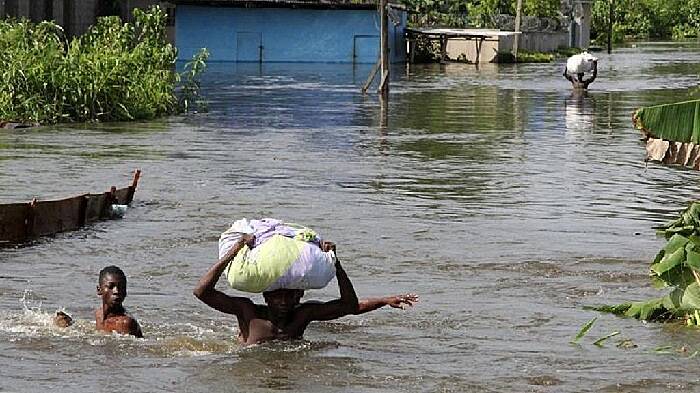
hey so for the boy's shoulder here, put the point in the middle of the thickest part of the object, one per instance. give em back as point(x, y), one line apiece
point(121, 323)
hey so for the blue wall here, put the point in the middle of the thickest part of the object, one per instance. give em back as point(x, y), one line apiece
point(285, 34)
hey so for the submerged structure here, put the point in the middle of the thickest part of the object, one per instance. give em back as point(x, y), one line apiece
point(23, 222)
point(672, 132)
point(287, 30)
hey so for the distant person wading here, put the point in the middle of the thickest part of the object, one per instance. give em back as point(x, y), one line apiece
point(576, 68)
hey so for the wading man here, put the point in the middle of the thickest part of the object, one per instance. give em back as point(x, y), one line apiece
point(578, 80)
point(284, 317)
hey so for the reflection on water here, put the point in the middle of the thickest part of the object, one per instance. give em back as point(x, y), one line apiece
point(507, 201)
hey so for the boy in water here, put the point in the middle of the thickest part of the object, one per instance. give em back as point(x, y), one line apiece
point(284, 317)
point(111, 317)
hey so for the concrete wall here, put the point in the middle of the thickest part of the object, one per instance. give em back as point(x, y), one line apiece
point(464, 50)
point(543, 41)
point(284, 34)
point(529, 41)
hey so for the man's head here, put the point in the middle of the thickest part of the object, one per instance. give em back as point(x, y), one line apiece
point(283, 301)
point(111, 286)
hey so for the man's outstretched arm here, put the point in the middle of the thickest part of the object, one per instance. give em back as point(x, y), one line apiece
point(397, 301)
point(206, 287)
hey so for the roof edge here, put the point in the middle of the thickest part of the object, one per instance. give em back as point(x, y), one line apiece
point(309, 4)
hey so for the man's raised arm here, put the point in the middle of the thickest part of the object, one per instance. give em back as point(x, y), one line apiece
point(206, 287)
point(348, 302)
point(592, 78)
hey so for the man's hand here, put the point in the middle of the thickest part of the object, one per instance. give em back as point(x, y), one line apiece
point(327, 246)
point(246, 239)
point(402, 301)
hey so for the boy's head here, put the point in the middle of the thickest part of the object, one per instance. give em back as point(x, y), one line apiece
point(283, 301)
point(111, 286)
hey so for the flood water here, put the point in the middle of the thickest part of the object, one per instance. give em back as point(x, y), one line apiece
point(505, 201)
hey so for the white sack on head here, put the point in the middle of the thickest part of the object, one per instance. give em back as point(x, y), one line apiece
point(581, 63)
point(284, 256)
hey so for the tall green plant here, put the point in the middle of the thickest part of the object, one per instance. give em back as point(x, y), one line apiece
point(191, 99)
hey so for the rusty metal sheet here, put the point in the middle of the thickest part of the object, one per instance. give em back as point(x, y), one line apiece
point(58, 216)
point(124, 195)
point(21, 222)
point(13, 227)
point(96, 207)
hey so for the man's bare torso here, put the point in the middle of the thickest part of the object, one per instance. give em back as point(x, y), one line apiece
point(257, 325)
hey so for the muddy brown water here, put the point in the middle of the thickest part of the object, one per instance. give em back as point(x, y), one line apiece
point(507, 202)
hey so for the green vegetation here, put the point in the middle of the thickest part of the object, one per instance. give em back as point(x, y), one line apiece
point(525, 57)
point(633, 19)
point(643, 19)
point(474, 13)
point(116, 71)
point(677, 266)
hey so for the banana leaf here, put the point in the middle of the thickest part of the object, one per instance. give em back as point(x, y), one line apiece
point(676, 122)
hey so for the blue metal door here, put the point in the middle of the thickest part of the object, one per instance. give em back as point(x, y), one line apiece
point(365, 49)
point(249, 46)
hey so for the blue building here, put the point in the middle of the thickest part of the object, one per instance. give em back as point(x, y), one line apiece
point(286, 30)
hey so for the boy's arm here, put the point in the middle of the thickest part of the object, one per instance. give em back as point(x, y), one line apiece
point(206, 287)
point(135, 329)
point(397, 301)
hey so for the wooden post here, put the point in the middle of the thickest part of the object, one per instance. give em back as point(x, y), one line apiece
point(443, 49)
point(610, 26)
point(518, 10)
point(372, 74)
point(384, 41)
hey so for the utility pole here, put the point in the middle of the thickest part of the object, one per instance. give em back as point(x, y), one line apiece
point(384, 44)
point(518, 10)
point(610, 25)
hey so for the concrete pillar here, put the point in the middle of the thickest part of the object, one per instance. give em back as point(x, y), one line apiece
point(585, 25)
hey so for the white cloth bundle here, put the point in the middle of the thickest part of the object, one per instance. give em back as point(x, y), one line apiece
point(581, 63)
point(284, 256)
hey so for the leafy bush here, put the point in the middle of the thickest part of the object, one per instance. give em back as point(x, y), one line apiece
point(642, 19)
point(474, 13)
point(676, 267)
point(116, 71)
